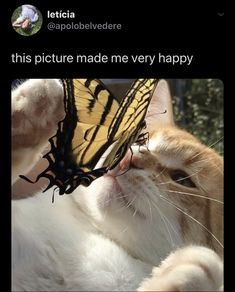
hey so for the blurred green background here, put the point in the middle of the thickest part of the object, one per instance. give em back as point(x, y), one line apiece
point(199, 108)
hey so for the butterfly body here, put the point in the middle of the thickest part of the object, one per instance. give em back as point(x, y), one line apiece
point(96, 132)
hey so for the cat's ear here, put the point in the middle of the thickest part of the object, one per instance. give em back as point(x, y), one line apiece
point(160, 111)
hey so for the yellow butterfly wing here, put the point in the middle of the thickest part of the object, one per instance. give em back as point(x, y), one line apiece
point(96, 108)
point(129, 119)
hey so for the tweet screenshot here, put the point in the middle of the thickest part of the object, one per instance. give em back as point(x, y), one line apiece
point(116, 126)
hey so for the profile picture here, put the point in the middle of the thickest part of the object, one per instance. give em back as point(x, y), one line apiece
point(26, 20)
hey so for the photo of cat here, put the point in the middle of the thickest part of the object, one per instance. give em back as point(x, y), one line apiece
point(156, 227)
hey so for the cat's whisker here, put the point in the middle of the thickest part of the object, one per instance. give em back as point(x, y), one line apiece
point(160, 173)
point(124, 230)
point(150, 210)
point(221, 170)
point(177, 235)
point(107, 201)
point(192, 218)
point(211, 160)
point(130, 203)
point(123, 207)
point(170, 181)
point(165, 182)
point(210, 146)
point(125, 203)
point(195, 195)
point(201, 187)
point(216, 142)
point(165, 221)
point(204, 160)
point(119, 196)
point(134, 213)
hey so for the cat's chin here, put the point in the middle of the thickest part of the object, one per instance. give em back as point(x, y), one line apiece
point(114, 195)
point(103, 190)
point(111, 190)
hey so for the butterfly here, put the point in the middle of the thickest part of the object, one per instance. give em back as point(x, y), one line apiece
point(96, 132)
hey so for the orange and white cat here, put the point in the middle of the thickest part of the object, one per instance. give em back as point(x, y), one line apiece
point(157, 227)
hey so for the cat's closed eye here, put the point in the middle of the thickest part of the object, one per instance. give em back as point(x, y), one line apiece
point(182, 178)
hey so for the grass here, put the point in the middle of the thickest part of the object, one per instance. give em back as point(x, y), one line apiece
point(35, 26)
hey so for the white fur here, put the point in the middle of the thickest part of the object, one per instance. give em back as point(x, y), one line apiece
point(31, 92)
point(66, 253)
point(197, 270)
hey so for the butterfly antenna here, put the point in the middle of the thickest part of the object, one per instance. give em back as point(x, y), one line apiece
point(53, 196)
point(160, 113)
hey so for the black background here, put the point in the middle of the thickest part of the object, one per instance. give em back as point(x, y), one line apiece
point(146, 29)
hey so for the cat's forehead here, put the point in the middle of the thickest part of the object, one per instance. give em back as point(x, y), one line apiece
point(175, 143)
point(173, 139)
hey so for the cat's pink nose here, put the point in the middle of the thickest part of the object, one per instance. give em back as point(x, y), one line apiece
point(136, 162)
point(122, 166)
point(126, 161)
point(129, 161)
